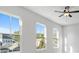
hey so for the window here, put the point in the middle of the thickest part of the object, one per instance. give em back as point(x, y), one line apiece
point(40, 36)
point(9, 33)
point(55, 39)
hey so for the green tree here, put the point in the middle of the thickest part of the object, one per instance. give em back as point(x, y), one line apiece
point(16, 36)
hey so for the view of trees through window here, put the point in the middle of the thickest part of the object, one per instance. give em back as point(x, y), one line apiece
point(9, 33)
point(41, 36)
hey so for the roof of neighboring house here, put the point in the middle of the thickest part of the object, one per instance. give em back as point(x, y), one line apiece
point(5, 31)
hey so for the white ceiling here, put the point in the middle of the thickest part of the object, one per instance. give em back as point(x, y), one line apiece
point(48, 12)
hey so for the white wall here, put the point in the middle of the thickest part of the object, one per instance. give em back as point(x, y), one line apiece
point(71, 33)
point(29, 19)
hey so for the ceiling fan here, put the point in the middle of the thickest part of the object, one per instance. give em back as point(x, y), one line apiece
point(67, 12)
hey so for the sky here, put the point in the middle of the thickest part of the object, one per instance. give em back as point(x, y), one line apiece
point(5, 23)
point(39, 28)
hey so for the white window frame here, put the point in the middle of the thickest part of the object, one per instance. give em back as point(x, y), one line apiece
point(45, 33)
point(20, 23)
point(57, 35)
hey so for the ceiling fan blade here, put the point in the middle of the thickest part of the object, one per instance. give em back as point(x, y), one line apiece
point(74, 11)
point(59, 11)
point(70, 15)
point(61, 15)
point(67, 7)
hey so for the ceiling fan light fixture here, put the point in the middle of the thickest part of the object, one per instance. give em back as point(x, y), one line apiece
point(66, 14)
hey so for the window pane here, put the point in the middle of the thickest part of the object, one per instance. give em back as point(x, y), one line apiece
point(41, 36)
point(9, 33)
point(15, 24)
point(4, 29)
point(4, 23)
point(15, 27)
point(55, 39)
